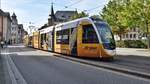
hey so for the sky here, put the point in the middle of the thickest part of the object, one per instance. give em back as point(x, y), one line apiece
point(36, 12)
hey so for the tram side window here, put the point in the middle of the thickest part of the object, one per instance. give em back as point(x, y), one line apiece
point(62, 37)
point(65, 36)
point(58, 37)
point(89, 34)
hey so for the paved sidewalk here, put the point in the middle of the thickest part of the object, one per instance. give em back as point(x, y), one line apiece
point(133, 52)
point(2, 74)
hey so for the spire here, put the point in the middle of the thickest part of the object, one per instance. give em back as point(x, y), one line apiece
point(52, 12)
point(14, 15)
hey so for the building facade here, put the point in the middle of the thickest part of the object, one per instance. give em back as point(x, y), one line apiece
point(132, 34)
point(5, 26)
point(21, 33)
point(14, 29)
point(60, 16)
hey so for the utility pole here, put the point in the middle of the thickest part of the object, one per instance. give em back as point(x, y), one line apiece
point(31, 28)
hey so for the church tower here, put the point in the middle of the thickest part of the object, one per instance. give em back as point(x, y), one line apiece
point(52, 18)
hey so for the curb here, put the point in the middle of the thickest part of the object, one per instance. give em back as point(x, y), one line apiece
point(117, 69)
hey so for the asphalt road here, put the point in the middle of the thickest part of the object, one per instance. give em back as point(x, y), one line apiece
point(39, 67)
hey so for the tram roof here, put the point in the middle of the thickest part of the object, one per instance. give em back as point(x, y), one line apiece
point(45, 30)
point(68, 25)
point(71, 24)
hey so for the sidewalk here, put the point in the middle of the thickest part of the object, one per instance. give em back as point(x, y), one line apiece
point(2, 74)
point(133, 52)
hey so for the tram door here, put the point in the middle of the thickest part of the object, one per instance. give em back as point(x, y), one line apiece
point(50, 41)
point(73, 41)
point(87, 41)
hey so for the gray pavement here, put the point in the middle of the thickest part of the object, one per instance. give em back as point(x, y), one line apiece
point(133, 52)
point(2, 75)
point(39, 67)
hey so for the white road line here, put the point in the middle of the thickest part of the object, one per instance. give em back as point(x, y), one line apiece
point(14, 73)
point(10, 72)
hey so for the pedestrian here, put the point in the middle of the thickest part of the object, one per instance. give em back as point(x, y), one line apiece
point(2, 44)
point(5, 42)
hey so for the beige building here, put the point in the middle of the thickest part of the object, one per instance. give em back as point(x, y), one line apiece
point(21, 33)
point(132, 34)
point(14, 29)
point(5, 26)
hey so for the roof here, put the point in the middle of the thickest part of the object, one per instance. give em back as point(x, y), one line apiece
point(6, 14)
point(20, 26)
point(71, 24)
point(58, 13)
point(64, 15)
point(65, 12)
point(13, 15)
point(2, 13)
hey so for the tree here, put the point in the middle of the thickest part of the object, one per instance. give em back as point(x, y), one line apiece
point(140, 16)
point(114, 13)
point(125, 14)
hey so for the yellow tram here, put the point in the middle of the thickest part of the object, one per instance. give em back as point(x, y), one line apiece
point(84, 37)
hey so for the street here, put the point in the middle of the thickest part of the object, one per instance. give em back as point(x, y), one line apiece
point(40, 67)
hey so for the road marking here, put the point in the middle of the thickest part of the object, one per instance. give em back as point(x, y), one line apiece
point(10, 72)
point(14, 73)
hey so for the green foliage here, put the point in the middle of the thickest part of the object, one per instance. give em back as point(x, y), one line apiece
point(132, 43)
point(115, 13)
point(79, 15)
point(125, 14)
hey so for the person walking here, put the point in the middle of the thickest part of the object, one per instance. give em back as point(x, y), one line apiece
point(2, 44)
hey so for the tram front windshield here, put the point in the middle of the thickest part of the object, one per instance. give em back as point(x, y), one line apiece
point(106, 35)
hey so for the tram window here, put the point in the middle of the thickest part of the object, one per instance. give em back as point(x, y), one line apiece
point(89, 34)
point(65, 36)
point(44, 37)
point(72, 30)
point(58, 37)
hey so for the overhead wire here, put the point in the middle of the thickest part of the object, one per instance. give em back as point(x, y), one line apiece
point(73, 3)
point(70, 6)
point(92, 9)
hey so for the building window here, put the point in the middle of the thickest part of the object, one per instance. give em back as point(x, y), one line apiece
point(123, 35)
point(134, 29)
point(89, 34)
point(134, 36)
point(127, 36)
point(130, 35)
